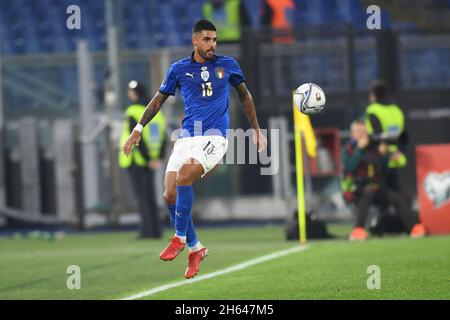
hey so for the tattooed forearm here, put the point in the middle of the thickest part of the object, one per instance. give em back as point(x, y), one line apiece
point(149, 113)
point(152, 108)
point(249, 107)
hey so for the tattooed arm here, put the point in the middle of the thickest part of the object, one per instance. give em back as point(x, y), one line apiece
point(249, 108)
point(152, 108)
point(150, 111)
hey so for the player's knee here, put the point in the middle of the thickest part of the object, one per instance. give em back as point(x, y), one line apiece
point(184, 179)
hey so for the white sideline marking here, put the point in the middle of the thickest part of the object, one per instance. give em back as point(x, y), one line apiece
point(237, 267)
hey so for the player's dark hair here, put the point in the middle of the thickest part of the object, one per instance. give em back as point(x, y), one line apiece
point(380, 90)
point(203, 24)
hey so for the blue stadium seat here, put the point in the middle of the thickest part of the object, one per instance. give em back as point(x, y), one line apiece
point(168, 26)
point(68, 76)
point(308, 12)
point(30, 28)
point(35, 25)
point(139, 25)
point(6, 34)
point(136, 71)
point(366, 67)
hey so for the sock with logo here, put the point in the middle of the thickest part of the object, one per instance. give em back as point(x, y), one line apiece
point(191, 236)
point(185, 198)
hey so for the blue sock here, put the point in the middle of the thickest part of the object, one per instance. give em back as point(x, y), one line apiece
point(191, 236)
point(172, 213)
point(185, 198)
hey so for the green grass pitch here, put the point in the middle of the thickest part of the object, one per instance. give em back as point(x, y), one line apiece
point(115, 265)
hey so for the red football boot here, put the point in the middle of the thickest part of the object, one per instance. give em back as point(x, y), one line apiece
point(194, 259)
point(418, 231)
point(358, 233)
point(172, 250)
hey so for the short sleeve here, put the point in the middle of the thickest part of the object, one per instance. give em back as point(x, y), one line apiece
point(169, 85)
point(236, 75)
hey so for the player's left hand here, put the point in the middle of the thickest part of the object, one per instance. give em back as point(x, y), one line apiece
point(260, 140)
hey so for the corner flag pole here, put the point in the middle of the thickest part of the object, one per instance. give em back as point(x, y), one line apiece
point(299, 174)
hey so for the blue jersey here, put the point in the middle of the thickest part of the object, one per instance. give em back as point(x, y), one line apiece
point(205, 91)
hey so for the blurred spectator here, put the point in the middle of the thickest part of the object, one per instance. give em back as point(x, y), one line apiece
point(225, 14)
point(278, 15)
point(144, 160)
point(365, 162)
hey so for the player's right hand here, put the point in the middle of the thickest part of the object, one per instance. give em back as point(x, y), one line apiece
point(133, 139)
point(260, 140)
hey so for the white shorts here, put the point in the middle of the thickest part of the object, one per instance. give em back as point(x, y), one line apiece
point(208, 150)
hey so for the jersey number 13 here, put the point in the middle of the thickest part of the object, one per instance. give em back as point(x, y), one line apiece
point(207, 90)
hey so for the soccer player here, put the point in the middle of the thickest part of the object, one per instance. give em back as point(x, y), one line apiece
point(203, 79)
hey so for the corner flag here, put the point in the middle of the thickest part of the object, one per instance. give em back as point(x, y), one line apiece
point(302, 124)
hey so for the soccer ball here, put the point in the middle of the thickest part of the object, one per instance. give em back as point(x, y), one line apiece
point(309, 98)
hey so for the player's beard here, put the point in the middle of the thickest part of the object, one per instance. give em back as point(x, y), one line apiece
point(204, 54)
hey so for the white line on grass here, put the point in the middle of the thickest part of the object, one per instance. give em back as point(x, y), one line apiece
point(237, 267)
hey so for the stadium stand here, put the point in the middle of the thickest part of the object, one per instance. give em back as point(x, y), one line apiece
point(29, 27)
point(147, 24)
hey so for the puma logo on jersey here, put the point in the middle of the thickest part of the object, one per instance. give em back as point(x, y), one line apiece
point(190, 75)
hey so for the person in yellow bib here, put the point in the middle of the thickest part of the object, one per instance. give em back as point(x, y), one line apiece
point(226, 15)
point(385, 123)
point(144, 160)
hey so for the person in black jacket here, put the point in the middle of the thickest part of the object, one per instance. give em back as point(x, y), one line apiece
point(364, 183)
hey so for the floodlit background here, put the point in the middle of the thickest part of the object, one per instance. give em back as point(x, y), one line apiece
point(63, 96)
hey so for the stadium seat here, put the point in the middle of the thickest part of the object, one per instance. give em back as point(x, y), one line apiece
point(34, 26)
point(252, 6)
point(144, 27)
point(365, 62)
point(168, 25)
point(6, 34)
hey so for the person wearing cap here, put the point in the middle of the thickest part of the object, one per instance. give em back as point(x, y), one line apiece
point(145, 160)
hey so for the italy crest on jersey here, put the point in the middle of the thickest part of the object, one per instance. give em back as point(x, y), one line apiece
point(220, 73)
point(204, 74)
